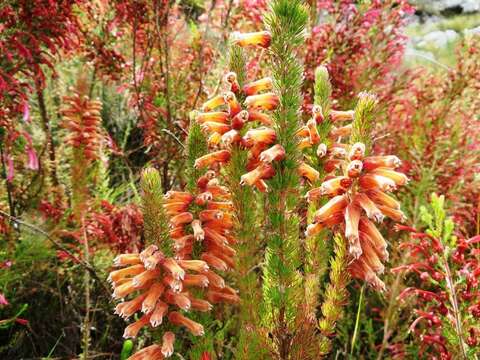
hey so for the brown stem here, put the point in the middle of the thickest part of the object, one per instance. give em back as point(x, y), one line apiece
point(48, 134)
point(8, 185)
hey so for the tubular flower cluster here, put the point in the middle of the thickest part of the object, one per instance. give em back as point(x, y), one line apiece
point(357, 187)
point(82, 118)
point(201, 223)
point(158, 286)
point(225, 121)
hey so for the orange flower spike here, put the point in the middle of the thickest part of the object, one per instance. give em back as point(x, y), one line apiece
point(151, 297)
point(333, 206)
point(180, 300)
point(209, 215)
point(308, 172)
point(399, 178)
point(381, 252)
point(373, 162)
point(118, 275)
point(359, 269)
point(335, 186)
point(240, 120)
point(201, 305)
point(218, 191)
point(222, 256)
point(194, 265)
point(372, 211)
point(214, 279)
point(231, 79)
point(216, 116)
point(214, 127)
point(195, 280)
point(171, 266)
point(178, 319)
point(221, 156)
point(143, 278)
point(181, 219)
point(214, 236)
point(127, 259)
point(231, 137)
point(372, 181)
point(221, 248)
point(267, 101)
point(357, 151)
point(198, 232)
point(214, 139)
point(394, 214)
point(275, 153)
point(156, 317)
point(313, 132)
point(132, 330)
point(261, 135)
point(381, 198)
point(233, 105)
point(258, 116)
point(127, 309)
point(214, 103)
point(341, 131)
point(168, 340)
point(261, 38)
point(354, 169)
point(352, 218)
point(257, 86)
point(338, 115)
point(261, 172)
point(203, 198)
point(317, 113)
point(214, 261)
point(150, 352)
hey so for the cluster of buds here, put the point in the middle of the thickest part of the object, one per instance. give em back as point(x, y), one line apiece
point(357, 187)
point(201, 223)
point(440, 276)
point(83, 120)
point(224, 119)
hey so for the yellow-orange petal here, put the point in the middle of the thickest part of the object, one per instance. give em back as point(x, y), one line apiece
point(373, 181)
point(257, 86)
point(373, 162)
point(151, 297)
point(381, 198)
point(220, 156)
point(214, 116)
point(194, 265)
point(308, 172)
point(260, 38)
point(258, 116)
point(352, 219)
point(372, 211)
point(267, 101)
point(275, 153)
point(313, 132)
point(213, 103)
point(339, 115)
point(132, 330)
point(214, 261)
point(333, 206)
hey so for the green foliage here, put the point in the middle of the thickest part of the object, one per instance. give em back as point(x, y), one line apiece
point(154, 218)
point(196, 147)
point(363, 120)
point(323, 89)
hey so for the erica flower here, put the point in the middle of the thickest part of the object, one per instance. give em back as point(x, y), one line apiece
point(261, 39)
point(257, 86)
point(267, 101)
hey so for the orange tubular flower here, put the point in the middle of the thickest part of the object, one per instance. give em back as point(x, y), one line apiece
point(240, 120)
point(221, 156)
point(215, 127)
point(215, 116)
point(231, 137)
point(340, 131)
point(261, 38)
point(258, 86)
point(214, 139)
point(337, 115)
point(258, 116)
point(267, 101)
point(263, 171)
point(352, 219)
point(335, 205)
point(193, 327)
point(233, 105)
point(313, 132)
point(308, 172)
point(261, 135)
point(214, 103)
point(389, 161)
point(275, 153)
point(150, 352)
point(167, 343)
point(180, 219)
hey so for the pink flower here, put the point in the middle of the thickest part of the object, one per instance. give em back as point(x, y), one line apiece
point(26, 112)
point(32, 159)
point(3, 300)
point(10, 169)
